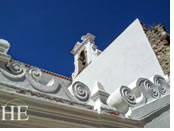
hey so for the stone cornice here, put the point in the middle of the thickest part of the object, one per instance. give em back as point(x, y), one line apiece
point(44, 114)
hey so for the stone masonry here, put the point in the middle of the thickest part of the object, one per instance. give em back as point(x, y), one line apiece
point(160, 42)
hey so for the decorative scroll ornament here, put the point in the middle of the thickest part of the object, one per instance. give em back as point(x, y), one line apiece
point(122, 99)
point(81, 91)
point(151, 89)
point(162, 84)
point(34, 75)
point(15, 71)
point(128, 96)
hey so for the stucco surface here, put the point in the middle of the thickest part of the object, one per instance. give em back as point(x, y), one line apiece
point(128, 58)
point(162, 121)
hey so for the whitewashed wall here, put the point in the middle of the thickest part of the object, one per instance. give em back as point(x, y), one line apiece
point(128, 57)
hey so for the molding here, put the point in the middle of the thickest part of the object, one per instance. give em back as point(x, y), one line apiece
point(45, 114)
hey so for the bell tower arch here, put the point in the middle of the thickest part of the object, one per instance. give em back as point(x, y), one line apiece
point(84, 53)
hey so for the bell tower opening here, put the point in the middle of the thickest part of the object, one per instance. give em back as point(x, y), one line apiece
point(82, 58)
point(84, 53)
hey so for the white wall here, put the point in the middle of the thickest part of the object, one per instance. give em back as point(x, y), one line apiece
point(128, 57)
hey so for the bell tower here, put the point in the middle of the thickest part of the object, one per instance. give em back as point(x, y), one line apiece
point(84, 53)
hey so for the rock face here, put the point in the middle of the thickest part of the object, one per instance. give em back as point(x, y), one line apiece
point(160, 42)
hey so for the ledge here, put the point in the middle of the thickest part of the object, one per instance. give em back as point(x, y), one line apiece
point(44, 114)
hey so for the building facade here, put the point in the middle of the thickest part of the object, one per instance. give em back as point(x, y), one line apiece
point(126, 85)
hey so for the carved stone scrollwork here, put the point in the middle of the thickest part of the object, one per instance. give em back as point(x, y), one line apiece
point(142, 92)
point(122, 99)
point(15, 70)
point(35, 73)
point(34, 76)
point(162, 84)
point(156, 95)
point(146, 86)
point(151, 89)
point(81, 91)
point(128, 96)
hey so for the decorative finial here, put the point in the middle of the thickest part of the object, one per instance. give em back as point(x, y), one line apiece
point(99, 96)
point(4, 46)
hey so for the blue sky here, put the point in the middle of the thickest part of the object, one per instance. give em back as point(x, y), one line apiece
point(43, 32)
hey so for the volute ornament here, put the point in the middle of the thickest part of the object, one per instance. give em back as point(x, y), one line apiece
point(122, 99)
point(128, 95)
point(15, 70)
point(81, 91)
point(162, 84)
point(149, 89)
point(34, 75)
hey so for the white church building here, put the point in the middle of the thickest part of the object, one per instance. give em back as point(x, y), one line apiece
point(123, 86)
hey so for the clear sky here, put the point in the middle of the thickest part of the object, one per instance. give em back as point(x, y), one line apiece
point(43, 32)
